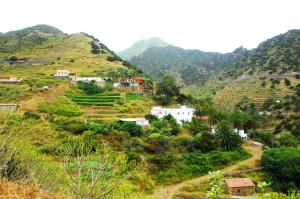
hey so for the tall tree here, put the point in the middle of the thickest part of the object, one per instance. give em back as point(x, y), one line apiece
point(167, 90)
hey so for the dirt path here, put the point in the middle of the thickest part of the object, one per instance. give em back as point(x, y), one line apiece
point(168, 191)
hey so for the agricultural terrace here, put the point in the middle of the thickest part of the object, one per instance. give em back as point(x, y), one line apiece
point(110, 106)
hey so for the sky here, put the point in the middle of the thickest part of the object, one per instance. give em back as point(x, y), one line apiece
point(208, 25)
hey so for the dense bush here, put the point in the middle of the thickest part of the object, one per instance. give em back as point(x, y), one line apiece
point(74, 126)
point(282, 166)
point(31, 115)
point(95, 48)
point(157, 143)
point(287, 82)
point(89, 88)
point(13, 58)
point(204, 142)
point(132, 128)
point(100, 128)
point(163, 161)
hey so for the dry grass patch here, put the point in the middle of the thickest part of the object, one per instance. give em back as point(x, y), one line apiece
point(12, 190)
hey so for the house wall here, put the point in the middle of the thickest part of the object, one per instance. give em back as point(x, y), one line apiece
point(7, 107)
point(241, 191)
point(180, 114)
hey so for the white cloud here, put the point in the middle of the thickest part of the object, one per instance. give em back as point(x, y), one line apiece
point(210, 25)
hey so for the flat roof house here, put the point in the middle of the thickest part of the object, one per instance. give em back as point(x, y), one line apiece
point(99, 80)
point(240, 186)
point(9, 80)
point(181, 114)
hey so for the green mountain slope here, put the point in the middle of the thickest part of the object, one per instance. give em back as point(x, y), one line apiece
point(277, 55)
point(140, 46)
point(28, 37)
point(188, 66)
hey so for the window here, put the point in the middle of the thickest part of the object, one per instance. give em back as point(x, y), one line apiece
point(178, 113)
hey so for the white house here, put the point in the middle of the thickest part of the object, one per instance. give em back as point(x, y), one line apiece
point(139, 121)
point(241, 133)
point(61, 74)
point(181, 114)
point(267, 113)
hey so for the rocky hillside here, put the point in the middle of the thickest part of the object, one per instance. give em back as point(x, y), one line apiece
point(140, 46)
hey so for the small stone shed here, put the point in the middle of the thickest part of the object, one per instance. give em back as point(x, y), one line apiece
point(240, 186)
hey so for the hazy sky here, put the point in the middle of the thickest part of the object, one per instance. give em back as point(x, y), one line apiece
point(209, 25)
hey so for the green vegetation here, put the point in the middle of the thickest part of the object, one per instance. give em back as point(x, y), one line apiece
point(90, 88)
point(282, 168)
point(95, 48)
point(216, 181)
point(167, 91)
point(104, 99)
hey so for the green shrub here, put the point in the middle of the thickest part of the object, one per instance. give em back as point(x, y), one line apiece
point(31, 115)
point(95, 48)
point(157, 143)
point(100, 128)
point(132, 128)
point(73, 126)
point(13, 58)
point(89, 88)
point(163, 161)
point(282, 166)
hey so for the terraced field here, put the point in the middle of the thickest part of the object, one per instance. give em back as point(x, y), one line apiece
point(112, 106)
point(252, 89)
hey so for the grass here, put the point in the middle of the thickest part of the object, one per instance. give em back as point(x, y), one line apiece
point(15, 93)
point(62, 107)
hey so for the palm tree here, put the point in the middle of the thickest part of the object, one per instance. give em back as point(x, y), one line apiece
point(227, 138)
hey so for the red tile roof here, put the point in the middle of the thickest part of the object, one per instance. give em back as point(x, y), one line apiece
point(239, 182)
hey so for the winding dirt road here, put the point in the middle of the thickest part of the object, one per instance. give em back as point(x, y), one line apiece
point(168, 191)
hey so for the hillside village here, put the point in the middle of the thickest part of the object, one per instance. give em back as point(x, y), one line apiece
point(83, 123)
